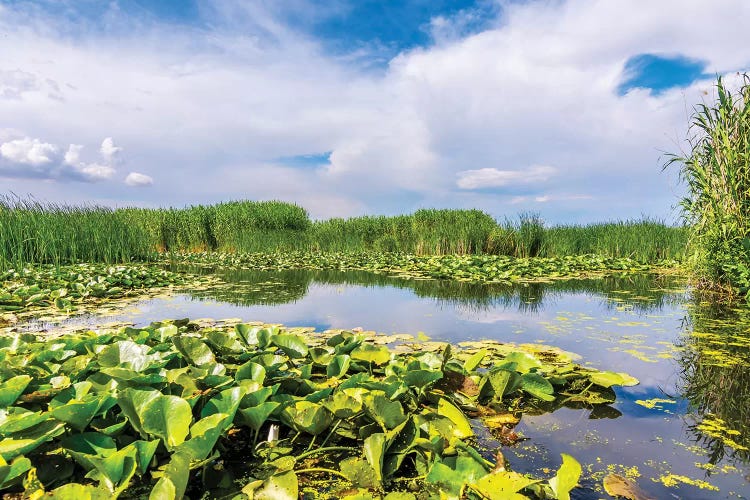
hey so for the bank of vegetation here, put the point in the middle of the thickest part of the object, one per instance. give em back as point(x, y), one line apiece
point(716, 172)
point(38, 232)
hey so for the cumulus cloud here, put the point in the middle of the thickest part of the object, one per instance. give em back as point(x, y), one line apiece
point(28, 151)
point(210, 107)
point(110, 152)
point(491, 177)
point(27, 157)
point(136, 179)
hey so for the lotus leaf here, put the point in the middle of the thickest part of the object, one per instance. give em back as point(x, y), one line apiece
point(374, 449)
point(23, 442)
point(388, 414)
point(421, 378)
point(173, 482)
point(359, 472)
point(292, 345)
point(306, 416)
point(251, 371)
point(132, 402)
point(167, 417)
point(257, 415)
point(371, 354)
point(503, 485)
point(17, 419)
point(13, 472)
point(75, 491)
point(127, 354)
point(608, 379)
point(278, 487)
point(566, 478)
point(338, 365)
point(537, 386)
point(203, 436)
point(344, 404)
point(462, 427)
point(195, 351)
point(12, 388)
point(226, 402)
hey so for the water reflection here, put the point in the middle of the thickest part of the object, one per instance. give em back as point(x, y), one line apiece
point(715, 376)
point(642, 292)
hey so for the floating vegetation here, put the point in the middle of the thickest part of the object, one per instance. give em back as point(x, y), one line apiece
point(261, 411)
point(65, 288)
point(716, 378)
point(466, 268)
point(716, 428)
point(656, 403)
point(672, 480)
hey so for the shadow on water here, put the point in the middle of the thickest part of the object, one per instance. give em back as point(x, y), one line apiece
point(642, 292)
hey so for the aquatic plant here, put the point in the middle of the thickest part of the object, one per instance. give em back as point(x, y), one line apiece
point(181, 407)
point(34, 232)
point(716, 173)
point(65, 288)
point(467, 268)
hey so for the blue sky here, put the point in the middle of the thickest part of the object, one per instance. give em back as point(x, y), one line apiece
point(346, 107)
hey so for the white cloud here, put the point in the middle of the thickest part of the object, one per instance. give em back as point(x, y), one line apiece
point(492, 177)
point(28, 157)
point(110, 152)
point(28, 151)
point(137, 179)
point(209, 107)
point(95, 172)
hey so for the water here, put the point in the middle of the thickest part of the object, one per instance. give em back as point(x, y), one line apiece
point(640, 325)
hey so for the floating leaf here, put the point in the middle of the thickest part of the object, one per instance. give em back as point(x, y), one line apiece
point(256, 416)
point(567, 477)
point(195, 350)
point(292, 345)
point(524, 361)
point(167, 417)
point(338, 365)
point(537, 386)
point(172, 484)
point(306, 416)
point(12, 388)
point(618, 486)
point(374, 448)
point(278, 487)
point(389, 414)
point(608, 379)
point(371, 354)
point(251, 371)
point(502, 485)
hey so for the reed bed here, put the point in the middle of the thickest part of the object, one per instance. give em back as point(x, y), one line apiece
point(716, 172)
point(37, 232)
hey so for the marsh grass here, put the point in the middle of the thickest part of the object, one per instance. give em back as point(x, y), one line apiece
point(37, 232)
point(646, 240)
point(716, 172)
point(31, 231)
point(426, 232)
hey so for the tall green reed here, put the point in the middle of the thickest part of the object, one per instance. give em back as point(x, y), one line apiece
point(716, 172)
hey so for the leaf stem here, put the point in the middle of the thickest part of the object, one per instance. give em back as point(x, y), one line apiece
point(324, 450)
point(324, 470)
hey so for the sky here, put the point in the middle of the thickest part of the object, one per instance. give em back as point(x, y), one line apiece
point(564, 108)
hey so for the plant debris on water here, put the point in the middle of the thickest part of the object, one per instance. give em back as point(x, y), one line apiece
point(237, 410)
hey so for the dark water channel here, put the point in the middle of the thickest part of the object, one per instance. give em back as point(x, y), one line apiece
point(684, 432)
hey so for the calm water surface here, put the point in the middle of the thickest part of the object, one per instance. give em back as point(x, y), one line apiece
point(694, 358)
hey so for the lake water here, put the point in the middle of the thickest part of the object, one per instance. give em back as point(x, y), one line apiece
point(685, 424)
